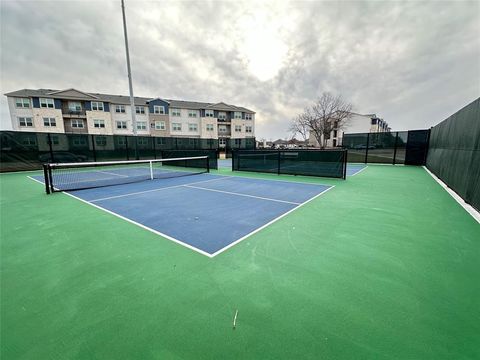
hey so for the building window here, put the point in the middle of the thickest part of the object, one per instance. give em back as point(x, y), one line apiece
point(192, 127)
point(160, 125)
point(46, 103)
point(142, 141)
point(120, 109)
point(374, 121)
point(248, 116)
point(248, 129)
point(157, 109)
point(175, 112)
point(238, 128)
point(79, 141)
point(209, 127)
point(74, 106)
point(222, 129)
point(209, 113)
point(141, 125)
point(222, 115)
point(22, 102)
point(238, 142)
point(121, 141)
point(192, 113)
point(237, 115)
point(77, 123)
point(49, 122)
point(25, 121)
point(176, 127)
point(101, 140)
point(29, 140)
point(98, 106)
point(139, 110)
point(55, 140)
point(121, 124)
point(334, 133)
point(98, 123)
point(161, 141)
point(222, 141)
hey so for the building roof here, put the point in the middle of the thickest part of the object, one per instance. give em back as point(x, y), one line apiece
point(73, 94)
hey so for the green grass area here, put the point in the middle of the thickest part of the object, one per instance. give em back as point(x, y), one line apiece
point(384, 266)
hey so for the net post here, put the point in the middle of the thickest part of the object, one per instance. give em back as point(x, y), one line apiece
point(47, 180)
point(50, 179)
point(151, 169)
point(345, 157)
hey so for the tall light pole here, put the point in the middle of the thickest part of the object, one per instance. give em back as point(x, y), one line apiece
point(132, 100)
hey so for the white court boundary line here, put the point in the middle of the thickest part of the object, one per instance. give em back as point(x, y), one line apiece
point(240, 194)
point(468, 208)
point(190, 246)
point(270, 222)
point(358, 172)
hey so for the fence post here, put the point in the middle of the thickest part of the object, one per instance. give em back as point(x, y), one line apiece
point(366, 150)
point(154, 147)
point(50, 147)
point(126, 147)
point(278, 159)
point(345, 159)
point(93, 149)
point(395, 148)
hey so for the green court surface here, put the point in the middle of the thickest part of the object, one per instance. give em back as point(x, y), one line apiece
point(384, 266)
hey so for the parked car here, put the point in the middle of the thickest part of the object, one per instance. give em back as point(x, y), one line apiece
point(62, 157)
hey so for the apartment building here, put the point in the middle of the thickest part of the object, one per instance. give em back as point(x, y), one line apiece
point(357, 123)
point(75, 111)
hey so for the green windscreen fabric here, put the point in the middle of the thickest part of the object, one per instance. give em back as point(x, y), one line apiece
point(325, 163)
point(22, 150)
point(454, 152)
point(399, 147)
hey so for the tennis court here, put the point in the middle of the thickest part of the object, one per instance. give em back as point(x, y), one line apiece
point(206, 213)
point(383, 265)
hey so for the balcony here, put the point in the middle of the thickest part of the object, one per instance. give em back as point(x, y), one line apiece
point(73, 113)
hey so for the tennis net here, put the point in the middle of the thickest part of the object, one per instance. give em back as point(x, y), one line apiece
point(76, 176)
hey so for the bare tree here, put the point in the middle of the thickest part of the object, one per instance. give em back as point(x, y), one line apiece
point(328, 113)
point(299, 127)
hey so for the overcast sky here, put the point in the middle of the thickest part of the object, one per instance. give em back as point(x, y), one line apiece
point(411, 63)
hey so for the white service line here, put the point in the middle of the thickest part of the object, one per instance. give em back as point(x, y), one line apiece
point(240, 194)
point(110, 173)
point(152, 190)
point(269, 223)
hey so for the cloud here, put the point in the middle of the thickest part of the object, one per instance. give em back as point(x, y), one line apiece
point(412, 63)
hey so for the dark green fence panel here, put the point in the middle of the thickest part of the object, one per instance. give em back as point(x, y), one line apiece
point(324, 163)
point(453, 153)
point(400, 147)
point(29, 150)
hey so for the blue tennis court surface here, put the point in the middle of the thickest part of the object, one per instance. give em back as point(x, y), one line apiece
point(207, 213)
